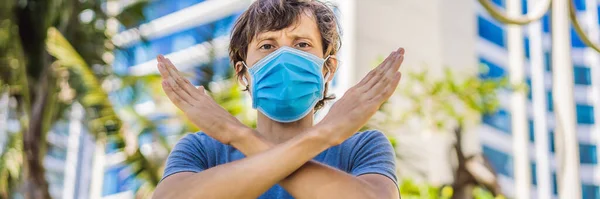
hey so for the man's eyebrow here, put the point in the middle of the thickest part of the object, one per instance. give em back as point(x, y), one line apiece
point(302, 36)
point(264, 36)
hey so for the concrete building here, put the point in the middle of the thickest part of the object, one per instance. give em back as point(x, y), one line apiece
point(461, 34)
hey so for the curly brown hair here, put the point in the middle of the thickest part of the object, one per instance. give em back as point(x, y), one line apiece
point(274, 15)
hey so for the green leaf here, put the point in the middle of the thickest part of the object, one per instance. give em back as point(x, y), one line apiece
point(133, 14)
point(89, 92)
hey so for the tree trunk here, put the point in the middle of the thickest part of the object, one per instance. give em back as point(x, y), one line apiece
point(34, 141)
point(462, 177)
point(34, 17)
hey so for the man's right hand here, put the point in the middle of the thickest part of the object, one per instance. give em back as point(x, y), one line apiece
point(360, 102)
point(199, 107)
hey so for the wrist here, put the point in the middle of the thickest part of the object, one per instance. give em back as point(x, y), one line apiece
point(323, 133)
point(239, 134)
point(247, 141)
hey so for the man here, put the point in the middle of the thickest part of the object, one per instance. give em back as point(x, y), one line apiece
point(284, 52)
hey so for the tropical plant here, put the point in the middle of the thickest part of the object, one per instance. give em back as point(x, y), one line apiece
point(39, 66)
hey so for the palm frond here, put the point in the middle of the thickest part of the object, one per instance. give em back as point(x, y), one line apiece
point(89, 93)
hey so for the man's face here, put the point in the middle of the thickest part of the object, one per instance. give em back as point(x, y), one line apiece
point(303, 35)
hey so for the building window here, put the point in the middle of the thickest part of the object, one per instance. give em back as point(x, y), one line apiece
point(531, 131)
point(588, 154)
point(590, 191)
point(548, 60)
point(494, 70)
point(499, 3)
point(575, 41)
point(580, 5)
point(491, 31)
point(526, 44)
point(554, 184)
point(501, 162)
point(533, 173)
point(582, 75)
point(549, 101)
point(551, 144)
point(585, 114)
point(546, 23)
point(499, 120)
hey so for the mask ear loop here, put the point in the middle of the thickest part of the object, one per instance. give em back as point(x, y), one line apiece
point(328, 70)
point(326, 75)
point(244, 77)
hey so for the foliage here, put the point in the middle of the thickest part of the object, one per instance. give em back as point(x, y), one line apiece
point(102, 118)
point(448, 103)
point(441, 104)
point(10, 165)
point(45, 74)
point(451, 101)
point(412, 190)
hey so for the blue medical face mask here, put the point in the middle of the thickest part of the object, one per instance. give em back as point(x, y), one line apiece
point(287, 84)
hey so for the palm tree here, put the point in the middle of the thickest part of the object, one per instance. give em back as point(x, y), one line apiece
point(51, 59)
point(35, 58)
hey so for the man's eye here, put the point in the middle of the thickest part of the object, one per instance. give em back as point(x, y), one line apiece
point(266, 46)
point(303, 45)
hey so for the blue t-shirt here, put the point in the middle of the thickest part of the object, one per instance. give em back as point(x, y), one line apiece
point(367, 152)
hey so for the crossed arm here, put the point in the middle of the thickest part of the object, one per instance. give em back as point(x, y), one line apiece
point(289, 163)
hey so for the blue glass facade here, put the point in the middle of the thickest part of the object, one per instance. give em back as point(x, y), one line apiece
point(119, 178)
point(493, 32)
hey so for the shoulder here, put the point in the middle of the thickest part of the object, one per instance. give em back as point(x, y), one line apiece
point(366, 137)
point(198, 137)
point(371, 152)
point(367, 144)
point(197, 141)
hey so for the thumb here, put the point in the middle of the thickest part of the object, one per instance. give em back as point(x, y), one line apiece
point(201, 89)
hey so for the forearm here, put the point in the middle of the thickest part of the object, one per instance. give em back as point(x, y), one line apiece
point(313, 179)
point(249, 177)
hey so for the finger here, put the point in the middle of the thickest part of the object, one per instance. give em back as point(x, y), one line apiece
point(391, 59)
point(201, 89)
point(384, 65)
point(161, 67)
point(372, 73)
point(164, 73)
point(174, 97)
point(389, 90)
point(182, 82)
point(395, 66)
point(378, 87)
point(375, 79)
point(366, 78)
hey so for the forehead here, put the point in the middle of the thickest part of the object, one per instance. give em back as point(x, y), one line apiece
point(304, 26)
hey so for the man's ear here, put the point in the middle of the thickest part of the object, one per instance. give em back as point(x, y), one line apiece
point(332, 64)
point(241, 77)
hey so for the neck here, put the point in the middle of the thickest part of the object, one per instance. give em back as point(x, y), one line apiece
point(278, 132)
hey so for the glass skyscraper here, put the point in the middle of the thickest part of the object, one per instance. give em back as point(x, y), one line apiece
point(186, 31)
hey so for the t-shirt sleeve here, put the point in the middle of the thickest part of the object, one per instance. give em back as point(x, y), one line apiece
point(188, 155)
point(373, 154)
